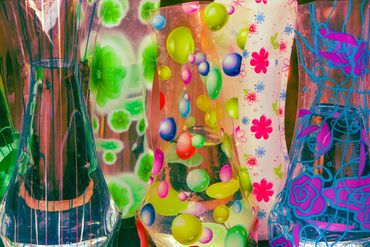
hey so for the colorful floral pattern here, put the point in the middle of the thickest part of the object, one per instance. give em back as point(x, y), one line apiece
point(106, 75)
point(261, 127)
point(305, 196)
point(261, 109)
point(262, 190)
point(281, 242)
point(260, 61)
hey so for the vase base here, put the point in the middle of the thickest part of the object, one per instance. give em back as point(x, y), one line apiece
point(102, 241)
point(365, 242)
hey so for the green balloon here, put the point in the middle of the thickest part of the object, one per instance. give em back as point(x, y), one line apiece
point(216, 16)
point(242, 38)
point(180, 44)
point(232, 108)
point(236, 236)
point(198, 180)
point(214, 83)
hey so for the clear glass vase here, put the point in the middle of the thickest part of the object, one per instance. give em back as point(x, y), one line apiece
point(198, 194)
point(326, 199)
point(122, 70)
point(57, 195)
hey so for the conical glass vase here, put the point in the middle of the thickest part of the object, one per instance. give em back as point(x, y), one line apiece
point(326, 199)
point(198, 193)
point(57, 195)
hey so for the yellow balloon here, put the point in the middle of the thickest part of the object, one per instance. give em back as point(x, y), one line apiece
point(211, 118)
point(180, 44)
point(223, 190)
point(221, 214)
point(168, 206)
point(203, 102)
point(186, 229)
point(232, 108)
point(216, 16)
point(164, 73)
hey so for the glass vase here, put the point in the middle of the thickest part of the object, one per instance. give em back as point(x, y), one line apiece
point(122, 71)
point(198, 193)
point(264, 37)
point(326, 199)
point(57, 195)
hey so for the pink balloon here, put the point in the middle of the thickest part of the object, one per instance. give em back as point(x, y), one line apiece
point(182, 196)
point(162, 189)
point(207, 236)
point(191, 59)
point(195, 208)
point(158, 161)
point(230, 10)
point(226, 173)
point(191, 7)
point(186, 75)
point(184, 147)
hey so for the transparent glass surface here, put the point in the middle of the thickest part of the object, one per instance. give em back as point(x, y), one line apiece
point(326, 199)
point(57, 195)
point(122, 71)
point(198, 194)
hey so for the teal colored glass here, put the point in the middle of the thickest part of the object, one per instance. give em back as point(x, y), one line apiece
point(57, 195)
point(326, 199)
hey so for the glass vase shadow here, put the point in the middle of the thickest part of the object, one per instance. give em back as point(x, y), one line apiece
point(122, 72)
point(57, 194)
point(326, 199)
point(198, 194)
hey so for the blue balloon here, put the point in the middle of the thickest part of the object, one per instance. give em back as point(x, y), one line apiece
point(148, 214)
point(159, 22)
point(200, 57)
point(204, 68)
point(184, 108)
point(167, 129)
point(231, 64)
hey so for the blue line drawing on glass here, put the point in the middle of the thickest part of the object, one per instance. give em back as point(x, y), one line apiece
point(326, 199)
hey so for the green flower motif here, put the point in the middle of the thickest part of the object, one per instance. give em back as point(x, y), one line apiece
point(144, 165)
point(112, 12)
point(135, 108)
point(119, 121)
point(127, 192)
point(111, 145)
point(141, 126)
point(146, 10)
point(95, 124)
point(106, 75)
point(149, 56)
point(109, 158)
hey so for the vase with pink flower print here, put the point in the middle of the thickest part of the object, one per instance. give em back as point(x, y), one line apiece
point(326, 199)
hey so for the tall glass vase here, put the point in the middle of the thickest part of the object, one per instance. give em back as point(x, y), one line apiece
point(326, 199)
point(199, 195)
point(267, 29)
point(57, 195)
point(122, 69)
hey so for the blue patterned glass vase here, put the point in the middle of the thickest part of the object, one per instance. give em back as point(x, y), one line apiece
point(326, 199)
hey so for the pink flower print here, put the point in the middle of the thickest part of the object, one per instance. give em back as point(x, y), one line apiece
point(251, 161)
point(280, 111)
point(238, 3)
point(253, 29)
point(260, 1)
point(260, 61)
point(282, 47)
point(251, 97)
point(263, 190)
point(262, 127)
